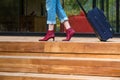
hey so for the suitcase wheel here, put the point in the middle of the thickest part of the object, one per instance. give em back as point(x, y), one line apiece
point(103, 40)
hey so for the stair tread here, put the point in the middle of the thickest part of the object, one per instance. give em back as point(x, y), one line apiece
point(67, 55)
point(59, 58)
point(58, 76)
point(35, 39)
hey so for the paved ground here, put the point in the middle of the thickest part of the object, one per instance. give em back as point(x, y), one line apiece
point(36, 38)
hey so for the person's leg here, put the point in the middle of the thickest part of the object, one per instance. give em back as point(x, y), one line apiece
point(61, 14)
point(51, 13)
point(67, 24)
point(51, 19)
point(64, 19)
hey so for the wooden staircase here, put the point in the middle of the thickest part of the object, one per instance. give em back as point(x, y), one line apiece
point(59, 60)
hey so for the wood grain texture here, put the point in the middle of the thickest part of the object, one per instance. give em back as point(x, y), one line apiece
point(60, 58)
point(61, 65)
point(21, 47)
point(97, 47)
point(33, 76)
point(68, 55)
point(61, 47)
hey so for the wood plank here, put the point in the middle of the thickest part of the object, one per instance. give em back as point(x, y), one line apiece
point(33, 76)
point(75, 47)
point(61, 47)
point(68, 55)
point(61, 65)
point(21, 47)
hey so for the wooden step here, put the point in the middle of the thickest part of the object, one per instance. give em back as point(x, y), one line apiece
point(62, 47)
point(33, 76)
point(80, 65)
point(68, 55)
point(58, 60)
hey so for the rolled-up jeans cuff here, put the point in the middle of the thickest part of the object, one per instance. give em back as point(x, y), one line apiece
point(63, 20)
point(51, 22)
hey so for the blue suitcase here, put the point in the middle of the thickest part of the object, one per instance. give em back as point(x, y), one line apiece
point(99, 23)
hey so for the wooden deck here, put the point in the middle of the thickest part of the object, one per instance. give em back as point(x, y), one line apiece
point(82, 58)
point(57, 39)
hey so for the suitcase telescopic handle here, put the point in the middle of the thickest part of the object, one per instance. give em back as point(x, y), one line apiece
point(81, 7)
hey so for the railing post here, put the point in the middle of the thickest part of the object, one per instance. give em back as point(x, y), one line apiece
point(63, 3)
point(107, 8)
point(94, 3)
point(117, 16)
point(102, 4)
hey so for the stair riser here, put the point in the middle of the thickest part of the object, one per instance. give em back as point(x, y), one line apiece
point(30, 78)
point(62, 66)
point(63, 47)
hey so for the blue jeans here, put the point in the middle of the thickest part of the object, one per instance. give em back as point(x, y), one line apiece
point(54, 7)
